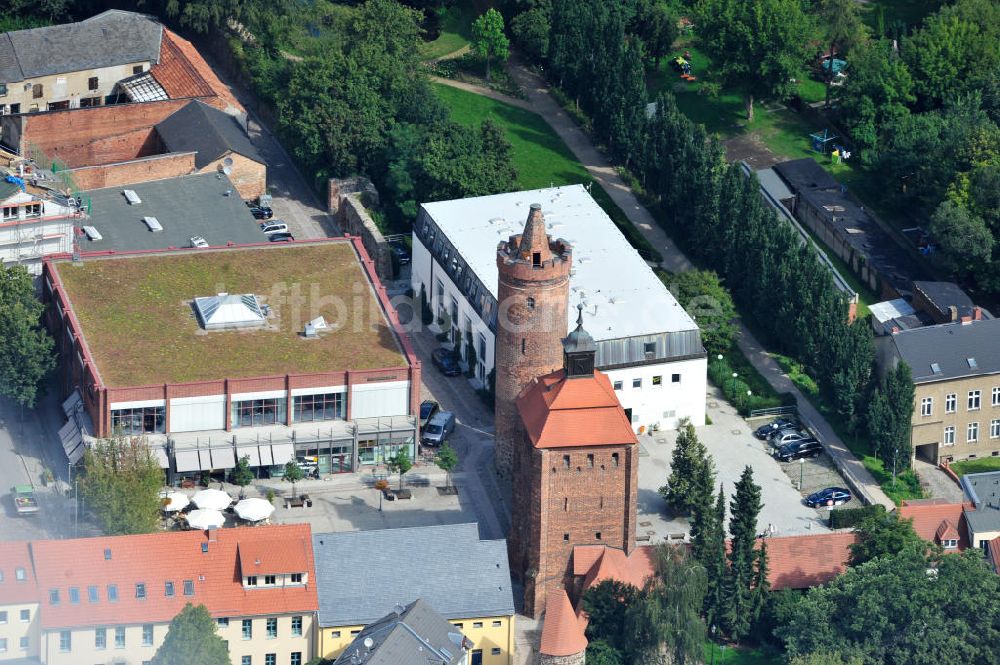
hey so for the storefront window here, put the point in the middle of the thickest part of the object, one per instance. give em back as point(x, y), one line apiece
point(379, 451)
point(329, 457)
point(258, 412)
point(310, 408)
point(145, 420)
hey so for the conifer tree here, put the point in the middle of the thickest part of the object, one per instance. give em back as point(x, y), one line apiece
point(744, 508)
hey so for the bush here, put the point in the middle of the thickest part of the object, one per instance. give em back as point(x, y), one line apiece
point(846, 518)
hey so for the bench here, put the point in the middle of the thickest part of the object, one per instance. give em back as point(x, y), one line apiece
point(301, 501)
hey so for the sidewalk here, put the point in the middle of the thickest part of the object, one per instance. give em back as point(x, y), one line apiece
point(674, 260)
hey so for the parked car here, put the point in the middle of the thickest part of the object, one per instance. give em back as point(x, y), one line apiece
point(831, 496)
point(261, 212)
point(438, 429)
point(799, 449)
point(445, 361)
point(783, 436)
point(274, 227)
point(427, 409)
point(280, 237)
point(773, 426)
point(401, 252)
point(198, 241)
point(25, 502)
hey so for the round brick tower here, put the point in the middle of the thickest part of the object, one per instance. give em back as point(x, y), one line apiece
point(531, 321)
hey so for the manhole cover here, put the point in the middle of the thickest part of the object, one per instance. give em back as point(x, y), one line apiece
point(645, 524)
point(735, 432)
point(661, 440)
point(713, 405)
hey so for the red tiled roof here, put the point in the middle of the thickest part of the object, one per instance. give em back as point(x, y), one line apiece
point(270, 558)
point(184, 73)
point(559, 412)
point(994, 553)
point(598, 563)
point(808, 560)
point(562, 630)
point(14, 556)
point(175, 556)
point(928, 514)
point(946, 531)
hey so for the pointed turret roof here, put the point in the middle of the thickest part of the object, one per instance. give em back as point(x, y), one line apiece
point(579, 341)
point(534, 240)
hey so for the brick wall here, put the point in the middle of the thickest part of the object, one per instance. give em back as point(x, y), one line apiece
point(156, 167)
point(354, 219)
point(248, 177)
point(66, 134)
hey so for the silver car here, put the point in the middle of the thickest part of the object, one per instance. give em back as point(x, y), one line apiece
point(438, 428)
point(781, 437)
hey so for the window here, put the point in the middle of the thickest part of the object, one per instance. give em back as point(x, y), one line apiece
point(597, 535)
point(270, 580)
point(950, 403)
point(657, 380)
point(3, 616)
point(974, 399)
point(87, 102)
point(65, 641)
point(53, 596)
point(248, 629)
point(926, 406)
point(140, 590)
point(145, 420)
point(188, 587)
point(996, 395)
point(310, 408)
point(20, 575)
point(477, 657)
point(497, 624)
point(459, 625)
point(37, 91)
point(92, 83)
point(536, 259)
point(3, 645)
point(119, 637)
point(495, 651)
point(147, 635)
point(296, 658)
point(358, 632)
point(23, 643)
point(168, 589)
point(618, 385)
point(649, 348)
point(25, 616)
point(222, 622)
point(113, 593)
point(565, 461)
point(531, 303)
point(100, 638)
point(3, 89)
point(995, 429)
point(257, 412)
point(477, 624)
point(334, 633)
point(92, 594)
point(137, 69)
point(949, 544)
point(297, 626)
point(523, 346)
point(252, 580)
point(245, 660)
point(296, 578)
point(949, 435)
point(675, 378)
point(107, 554)
point(272, 628)
point(74, 595)
point(637, 383)
point(566, 537)
point(270, 659)
point(590, 461)
point(972, 433)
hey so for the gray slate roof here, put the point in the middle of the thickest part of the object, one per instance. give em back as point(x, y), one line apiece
point(950, 346)
point(206, 130)
point(805, 173)
point(942, 295)
point(416, 635)
point(111, 38)
point(983, 489)
point(460, 575)
point(193, 205)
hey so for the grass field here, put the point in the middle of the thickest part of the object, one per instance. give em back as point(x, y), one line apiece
point(976, 466)
point(719, 655)
point(540, 156)
point(456, 31)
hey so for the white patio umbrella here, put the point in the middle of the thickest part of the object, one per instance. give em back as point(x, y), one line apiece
point(205, 519)
point(212, 499)
point(254, 510)
point(175, 501)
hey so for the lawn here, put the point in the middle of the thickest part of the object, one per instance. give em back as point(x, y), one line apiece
point(976, 466)
point(720, 655)
point(540, 156)
point(147, 334)
point(910, 12)
point(456, 32)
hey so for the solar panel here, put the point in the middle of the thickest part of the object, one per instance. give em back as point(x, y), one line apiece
point(132, 197)
point(152, 223)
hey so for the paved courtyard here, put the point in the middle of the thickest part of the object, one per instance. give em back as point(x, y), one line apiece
point(731, 443)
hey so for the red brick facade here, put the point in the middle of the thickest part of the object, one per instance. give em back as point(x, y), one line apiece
point(532, 297)
point(157, 167)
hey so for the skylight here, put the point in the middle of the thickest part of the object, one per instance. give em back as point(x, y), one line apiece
point(972, 363)
point(935, 368)
point(229, 311)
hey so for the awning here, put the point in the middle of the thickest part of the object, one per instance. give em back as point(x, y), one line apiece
point(248, 451)
point(188, 460)
point(266, 458)
point(160, 454)
point(283, 452)
point(223, 458)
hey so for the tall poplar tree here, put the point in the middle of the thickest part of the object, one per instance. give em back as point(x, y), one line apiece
point(743, 607)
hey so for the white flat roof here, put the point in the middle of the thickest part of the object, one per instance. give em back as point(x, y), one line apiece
point(891, 309)
point(622, 295)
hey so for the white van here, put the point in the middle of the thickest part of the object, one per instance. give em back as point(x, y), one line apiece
point(274, 227)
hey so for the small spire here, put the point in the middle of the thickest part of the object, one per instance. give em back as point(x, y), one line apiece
point(579, 316)
point(534, 241)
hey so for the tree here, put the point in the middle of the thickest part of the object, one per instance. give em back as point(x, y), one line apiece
point(600, 652)
point(243, 474)
point(447, 460)
point(708, 546)
point(26, 349)
point(893, 611)
point(293, 474)
point(605, 604)
point(842, 28)
point(965, 240)
point(743, 606)
point(884, 535)
point(825, 658)
point(400, 463)
point(656, 24)
point(668, 618)
point(756, 46)
point(488, 38)
point(702, 295)
point(692, 473)
point(192, 639)
point(121, 483)
point(531, 30)
point(890, 415)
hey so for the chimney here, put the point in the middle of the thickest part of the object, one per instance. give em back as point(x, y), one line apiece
point(977, 313)
point(966, 320)
point(895, 329)
point(953, 310)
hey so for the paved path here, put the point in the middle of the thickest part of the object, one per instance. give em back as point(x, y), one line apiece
point(484, 92)
point(936, 482)
point(541, 102)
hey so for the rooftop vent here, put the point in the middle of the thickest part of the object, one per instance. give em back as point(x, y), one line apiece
point(225, 311)
point(92, 233)
point(132, 198)
point(153, 223)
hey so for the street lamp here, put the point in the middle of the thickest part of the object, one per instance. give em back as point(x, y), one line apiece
point(802, 466)
point(735, 374)
point(895, 452)
point(718, 357)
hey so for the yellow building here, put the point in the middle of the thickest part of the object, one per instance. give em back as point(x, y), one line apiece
point(19, 622)
point(75, 65)
point(364, 575)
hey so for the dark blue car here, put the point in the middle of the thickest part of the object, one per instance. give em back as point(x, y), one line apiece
point(831, 496)
point(445, 361)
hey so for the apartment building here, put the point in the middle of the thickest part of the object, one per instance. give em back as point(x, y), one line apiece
point(19, 600)
point(33, 224)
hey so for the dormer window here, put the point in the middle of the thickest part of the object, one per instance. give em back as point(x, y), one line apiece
point(296, 578)
point(252, 580)
point(949, 544)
